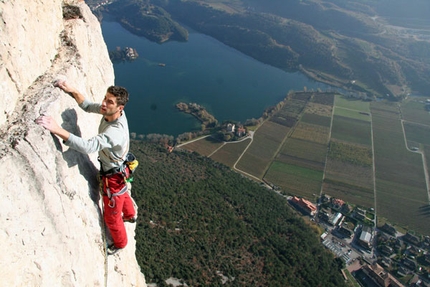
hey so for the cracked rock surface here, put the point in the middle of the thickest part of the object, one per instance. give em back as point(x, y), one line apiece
point(51, 228)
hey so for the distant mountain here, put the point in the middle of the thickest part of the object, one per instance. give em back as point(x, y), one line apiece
point(150, 21)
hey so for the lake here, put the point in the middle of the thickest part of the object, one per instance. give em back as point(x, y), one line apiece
point(229, 84)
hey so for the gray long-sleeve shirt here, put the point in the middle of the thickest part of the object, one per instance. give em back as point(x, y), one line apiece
point(112, 142)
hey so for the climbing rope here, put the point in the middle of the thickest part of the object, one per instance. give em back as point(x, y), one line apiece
point(104, 241)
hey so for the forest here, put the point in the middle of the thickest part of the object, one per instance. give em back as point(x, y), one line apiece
point(207, 225)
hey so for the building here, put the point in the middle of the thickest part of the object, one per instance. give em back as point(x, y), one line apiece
point(335, 219)
point(411, 238)
point(388, 229)
point(346, 231)
point(240, 131)
point(380, 277)
point(365, 239)
point(304, 205)
point(231, 127)
point(337, 203)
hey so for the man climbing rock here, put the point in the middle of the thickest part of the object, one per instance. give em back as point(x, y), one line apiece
point(112, 144)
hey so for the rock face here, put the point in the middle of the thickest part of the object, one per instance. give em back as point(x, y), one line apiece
point(51, 227)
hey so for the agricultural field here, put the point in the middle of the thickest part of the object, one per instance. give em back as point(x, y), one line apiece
point(351, 104)
point(289, 111)
point(350, 193)
point(299, 167)
point(265, 145)
point(326, 99)
point(316, 119)
point(310, 146)
point(349, 166)
point(414, 110)
point(403, 205)
point(304, 153)
point(401, 189)
point(295, 179)
point(314, 133)
point(230, 152)
point(417, 133)
point(349, 173)
point(351, 130)
point(204, 146)
point(350, 153)
point(319, 109)
point(353, 114)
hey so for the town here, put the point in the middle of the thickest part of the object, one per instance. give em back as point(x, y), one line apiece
point(371, 254)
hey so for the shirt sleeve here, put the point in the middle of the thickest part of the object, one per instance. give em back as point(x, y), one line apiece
point(111, 139)
point(94, 144)
point(90, 107)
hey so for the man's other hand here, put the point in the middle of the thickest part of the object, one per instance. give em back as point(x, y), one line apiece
point(51, 125)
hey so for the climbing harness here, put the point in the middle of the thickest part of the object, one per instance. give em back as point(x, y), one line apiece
point(110, 195)
point(125, 170)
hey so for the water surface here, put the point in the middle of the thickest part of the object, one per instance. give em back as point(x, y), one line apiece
point(229, 84)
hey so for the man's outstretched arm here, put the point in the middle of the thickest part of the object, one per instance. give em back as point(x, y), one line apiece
point(64, 85)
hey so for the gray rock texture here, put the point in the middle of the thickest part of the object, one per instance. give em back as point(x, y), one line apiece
point(51, 227)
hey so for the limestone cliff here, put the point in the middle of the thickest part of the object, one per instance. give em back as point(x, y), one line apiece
point(51, 227)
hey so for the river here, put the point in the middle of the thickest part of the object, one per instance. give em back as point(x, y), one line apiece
point(229, 84)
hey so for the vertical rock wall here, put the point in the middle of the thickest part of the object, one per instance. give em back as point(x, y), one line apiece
point(51, 228)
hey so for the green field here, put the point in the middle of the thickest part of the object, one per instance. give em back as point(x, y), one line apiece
point(415, 111)
point(355, 176)
point(230, 152)
point(313, 133)
point(349, 193)
point(353, 114)
point(315, 119)
point(351, 130)
point(303, 150)
point(417, 132)
point(267, 140)
point(400, 182)
point(403, 205)
point(349, 153)
point(324, 99)
point(351, 104)
point(204, 146)
point(295, 180)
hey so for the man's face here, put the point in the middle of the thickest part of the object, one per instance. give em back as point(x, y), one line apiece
point(110, 107)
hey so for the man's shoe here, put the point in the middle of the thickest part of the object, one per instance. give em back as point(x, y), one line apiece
point(112, 249)
point(130, 219)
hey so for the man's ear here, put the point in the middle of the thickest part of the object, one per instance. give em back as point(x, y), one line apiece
point(121, 108)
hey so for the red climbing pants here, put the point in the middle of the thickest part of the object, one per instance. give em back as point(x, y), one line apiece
point(116, 208)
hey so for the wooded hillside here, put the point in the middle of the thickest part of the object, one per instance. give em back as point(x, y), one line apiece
point(199, 221)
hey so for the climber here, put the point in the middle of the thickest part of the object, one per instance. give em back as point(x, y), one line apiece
point(112, 144)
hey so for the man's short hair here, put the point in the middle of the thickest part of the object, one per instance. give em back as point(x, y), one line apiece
point(120, 94)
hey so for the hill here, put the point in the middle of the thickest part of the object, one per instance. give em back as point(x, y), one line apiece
point(205, 224)
point(341, 43)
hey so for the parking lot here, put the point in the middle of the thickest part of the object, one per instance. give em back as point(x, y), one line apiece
point(340, 249)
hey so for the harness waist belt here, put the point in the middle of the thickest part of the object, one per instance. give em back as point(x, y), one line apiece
point(121, 192)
